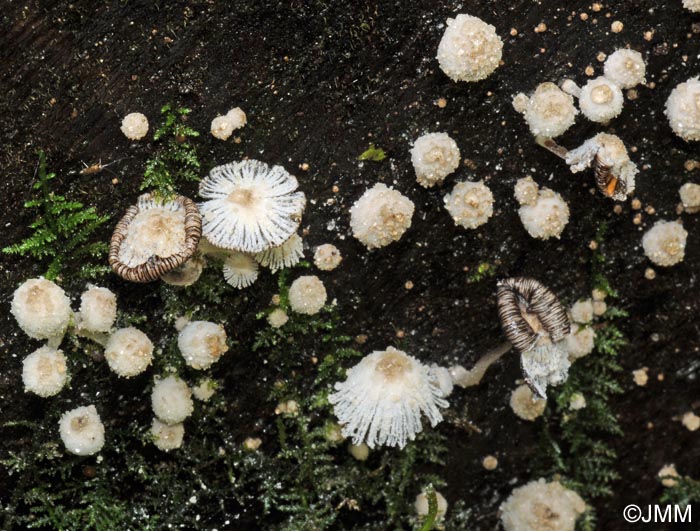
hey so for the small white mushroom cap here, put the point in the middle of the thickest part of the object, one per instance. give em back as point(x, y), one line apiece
point(327, 257)
point(286, 255)
point(601, 100)
point(237, 118)
point(549, 111)
point(41, 308)
point(683, 110)
point(625, 68)
point(548, 217)
point(690, 197)
point(526, 191)
point(240, 270)
point(221, 127)
point(359, 451)
point(692, 5)
point(422, 508)
point(383, 398)
point(44, 372)
point(202, 343)
point(307, 295)
point(98, 309)
point(205, 389)
point(434, 157)
point(82, 431)
point(525, 405)
point(381, 216)
point(691, 421)
point(135, 126)
point(667, 475)
point(128, 352)
point(171, 400)
point(186, 274)
point(250, 206)
point(582, 311)
point(470, 49)
point(664, 244)
point(470, 204)
point(577, 401)
point(167, 436)
point(277, 318)
point(580, 342)
point(539, 505)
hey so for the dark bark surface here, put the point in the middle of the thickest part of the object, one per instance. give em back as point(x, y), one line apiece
point(319, 82)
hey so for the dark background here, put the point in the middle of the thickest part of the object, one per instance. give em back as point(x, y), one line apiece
point(319, 82)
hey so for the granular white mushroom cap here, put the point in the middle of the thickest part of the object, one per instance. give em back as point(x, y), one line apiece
point(250, 206)
point(277, 318)
point(470, 204)
point(286, 255)
point(470, 49)
point(664, 244)
point(383, 398)
point(98, 309)
point(167, 436)
point(548, 217)
point(202, 343)
point(525, 405)
point(205, 389)
point(82, 431)
point(582, 311)
point(327, 257)
point(221, 127)
point(135, 126)
point(41, 308)
point(307, 295)
point(154, 237)
point(580, 342)
point(539, 505)
point(692, 5)
point(240, 270)
point(381, 216)
point(601, 100)
point(171, 400)
point(549, 111)
point(44, 372)
point(683, 109)
point(422, 508)
point(526, 191)
point(434, 157)
point(690, 197)
point(237, 118)
point(128, 352)
point(625, 68)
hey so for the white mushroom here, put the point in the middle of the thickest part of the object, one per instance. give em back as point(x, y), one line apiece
point(135, 126)
point(240, 270)
point(82, 431)
point(167, 436)
point(683, 110)
point(286, 255)
point(202, 344)
point(549, 112)
point(42, 309)
point(44, 372)
point(128, 352)
point(539, 505)
point(434, 157)
point(381, 216)
point(548, 217)
point(665, 242)
point(470, 204)
point(307, 295)
point(625, 68)
point(171, 400)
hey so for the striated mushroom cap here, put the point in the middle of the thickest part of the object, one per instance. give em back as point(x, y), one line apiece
point(154, 237)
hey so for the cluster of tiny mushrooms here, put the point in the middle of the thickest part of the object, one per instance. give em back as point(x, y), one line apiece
point(250, 216)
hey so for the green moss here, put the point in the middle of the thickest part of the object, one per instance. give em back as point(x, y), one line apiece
point(373, 153)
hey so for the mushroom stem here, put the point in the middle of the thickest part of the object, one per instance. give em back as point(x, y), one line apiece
point(552, 146)
point(472, 377)
point(571, 88)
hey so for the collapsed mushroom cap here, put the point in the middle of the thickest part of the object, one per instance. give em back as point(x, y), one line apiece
point(470, 49)
point(251, 206)
point(383, 398)
point(82, 431)
point(601, 100)
point(286, 255)
point(98, 309)
point(683, 109)
point(154, 237)
point(539, 505)
point(44, 372)
point(41, 308)
point(380, 216)
point(549, 112)
point(470, 204)
point(171, 400)
point(434, 157)
point(202, 343)
point(665, 243)
point(625, 68)
point(128, 352)
point(187, 273)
